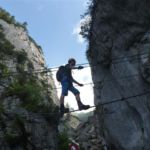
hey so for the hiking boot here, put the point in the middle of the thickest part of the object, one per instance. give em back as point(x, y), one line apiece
point(63, 110)
point(83, 107)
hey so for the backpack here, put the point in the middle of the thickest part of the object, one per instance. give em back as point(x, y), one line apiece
point(60, 73)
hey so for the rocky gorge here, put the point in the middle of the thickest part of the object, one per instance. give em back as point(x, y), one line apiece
point(118, 35)
point(28, 101)
point(119, 50)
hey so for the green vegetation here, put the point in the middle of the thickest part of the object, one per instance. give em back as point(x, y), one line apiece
point(32, 96)
point(11, 19)
point(85, 27)
point(6, 48)
point(86, 24)
point(4, 72)
point(11, 134)
point(29, 92)
point(2, 110)
point(63, 141)
point(11, 139)
point(21, 56)
point(16, 134)
point(4, 15)
point(30, 65)
point(29, 89)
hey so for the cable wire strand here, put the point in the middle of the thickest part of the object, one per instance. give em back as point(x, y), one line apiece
point(54, 69)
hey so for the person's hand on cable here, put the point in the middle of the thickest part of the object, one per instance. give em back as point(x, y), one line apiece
point(80, 67)
point(80, 84)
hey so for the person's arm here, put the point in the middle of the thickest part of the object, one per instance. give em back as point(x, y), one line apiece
point(73, 80)
point(76, 82)
point(74, 67)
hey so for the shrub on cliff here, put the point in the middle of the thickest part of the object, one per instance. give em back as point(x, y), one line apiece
point(4, 15)
point(6, 48)
point(28, 92)
point(63, 141)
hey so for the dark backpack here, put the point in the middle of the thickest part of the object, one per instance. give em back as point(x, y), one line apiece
point(59, 74)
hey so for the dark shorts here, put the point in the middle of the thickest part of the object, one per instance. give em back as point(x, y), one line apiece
point(66, 86)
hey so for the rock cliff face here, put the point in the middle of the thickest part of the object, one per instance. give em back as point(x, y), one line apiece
point(28, 101)
point(119, 50)
point(85, 133)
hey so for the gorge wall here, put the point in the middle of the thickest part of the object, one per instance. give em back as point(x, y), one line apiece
point(119, 50)
point(28, 101)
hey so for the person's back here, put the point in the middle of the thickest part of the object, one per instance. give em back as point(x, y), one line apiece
point(69, 74)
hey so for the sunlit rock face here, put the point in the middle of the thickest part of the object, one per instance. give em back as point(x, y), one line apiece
point(119, 50)
point(28, 99)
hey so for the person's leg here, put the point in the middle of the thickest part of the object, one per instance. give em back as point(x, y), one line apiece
point(63, 109)
point(64, 92)
point(62, 97)
point(80, 104)
point(62, 102)
point(78, 99)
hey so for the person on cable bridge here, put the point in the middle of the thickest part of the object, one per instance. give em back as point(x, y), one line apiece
point(64, 76)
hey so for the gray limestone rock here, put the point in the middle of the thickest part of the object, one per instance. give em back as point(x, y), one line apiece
point(21, 126)
point(119, 57)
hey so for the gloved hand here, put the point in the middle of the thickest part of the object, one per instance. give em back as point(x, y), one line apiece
point(80, 84)
point(80, 67)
